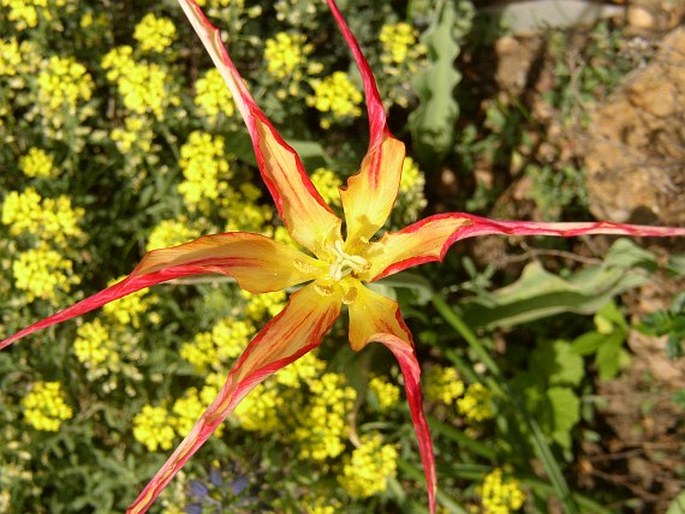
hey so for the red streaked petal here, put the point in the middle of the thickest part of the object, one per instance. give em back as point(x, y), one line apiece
point(258, 263)
point(429, 239)
point(374, 106)
point(308, 218)
point(292, 333)
point(370, 194)
point(375, 318)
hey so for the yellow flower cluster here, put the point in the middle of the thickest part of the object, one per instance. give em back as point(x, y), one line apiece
point(260, 305)
point(500, 496)
point(241, 209)
point(387, 395)
point(187, 409)
point(398, 40)
point(225, 342)
point(45, 408)
point(212, 97)
point(142, 85)
point(10, 57)
point(95, 349)
point(51, 219)
point(154, 34)
point(336, 97)
point(129, 309)
point(205, 170)
point(321, 505)
point(220, 3)
point(136, 135)
point(259, 411)
point(37, 163)
point(327, 183)
point(411, 198)
point(321, 426)
point(27, 13)
point(285, 54)
point(442, 385)
point(154, 427)
point(302, 371)
point(476, 405)
point(170, 233)
point(366, 471)
point(62, 84)
point(42, 272)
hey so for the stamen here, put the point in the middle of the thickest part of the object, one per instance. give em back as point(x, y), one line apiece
point(345, 264)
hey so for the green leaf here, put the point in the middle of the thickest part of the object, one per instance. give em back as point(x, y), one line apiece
point(558, 363)
point(539, 293)
point(588, 343)
point(609, 357)
point(432, 123)
point(565, 413)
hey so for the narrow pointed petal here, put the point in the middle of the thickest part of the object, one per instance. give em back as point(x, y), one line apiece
point(374, 105)
point(308, 218)
point(429, 239)
point(258, 263)
point(375, 318)
point(371, 193)
point(295, 331)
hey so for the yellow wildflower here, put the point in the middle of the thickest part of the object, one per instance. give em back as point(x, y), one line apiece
point(62, 84)
point(285, 54)
point(241, 210)
point(387, 395)
point(27, 13)
point(500, 495)
point(129, 309)
point(45, 407)
point(201, 353)
point(212, 97)
point(366, 471)
point(51, 219)
point(142, 85)
point(397, 39)
point(154, 34)
point(304, 369)
point(442, 385)
point(37, 163)
point(42, 272)
point(153, 427)
point(321, 426)
point(136, 135)
point(336, 97)
point(188, 410)
point(205, 170)
point(170, 233)
point(225, 342)
point(10, 57)
point(411, 199)
point(258, 412)
point(327, 183)
point(94, 347)
point(476, 405)
point(260, 305)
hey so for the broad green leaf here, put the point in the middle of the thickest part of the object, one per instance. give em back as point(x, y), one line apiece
point(432, 123)
point(588, 343)
point(565, 413)
point(539, 293)
point(609, 356)
point(558, 363)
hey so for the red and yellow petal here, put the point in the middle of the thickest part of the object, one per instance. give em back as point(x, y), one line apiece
point(429, 239)
point(258, 264)
point(307, 216)
point(375, 318)
point(370, 194)
point(292, 333)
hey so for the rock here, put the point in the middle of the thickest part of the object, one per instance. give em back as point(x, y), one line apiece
point(635, 147)
point(640, 18)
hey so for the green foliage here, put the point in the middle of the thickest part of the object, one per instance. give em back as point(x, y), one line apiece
point(669, 322)
point(539, 293)
point(432, 123)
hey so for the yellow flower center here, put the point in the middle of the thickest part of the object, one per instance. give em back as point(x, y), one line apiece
point(344, 263)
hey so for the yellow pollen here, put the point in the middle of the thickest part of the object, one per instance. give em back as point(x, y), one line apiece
point(344, 263)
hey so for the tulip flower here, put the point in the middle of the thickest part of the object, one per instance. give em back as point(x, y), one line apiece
point(336, 264)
